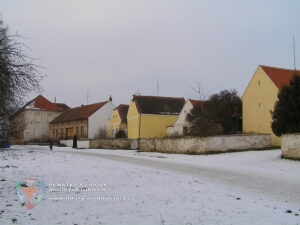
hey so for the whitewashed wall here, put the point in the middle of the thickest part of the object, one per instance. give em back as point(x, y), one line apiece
point(101, 118)
point(80, 144)
point(177, 129)
point(290, 146)
point(37, 124)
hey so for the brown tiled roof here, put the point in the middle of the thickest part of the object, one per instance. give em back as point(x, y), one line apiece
point(196, 102)
point(63, 106)
point(123, 110)
point(280, 77)
point(78, 113)
point(158, 105)
point(41, 103)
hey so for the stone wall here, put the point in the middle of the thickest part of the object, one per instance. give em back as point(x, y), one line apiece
point(188, 145)
point(290, 146)
point(217, 144)
point(113, 143)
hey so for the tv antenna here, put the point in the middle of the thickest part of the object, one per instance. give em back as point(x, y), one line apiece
point(157, 86)
point(294, 52)
point(87, 95)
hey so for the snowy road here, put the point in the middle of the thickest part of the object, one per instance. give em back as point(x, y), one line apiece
point(262, 183)
point(254, 187)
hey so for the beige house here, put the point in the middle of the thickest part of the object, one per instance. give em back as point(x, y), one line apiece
point(31, 122)
point(84, 121)
point(259, 99)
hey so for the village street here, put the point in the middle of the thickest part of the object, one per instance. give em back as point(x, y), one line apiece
point(254, 187)
point(260, 182)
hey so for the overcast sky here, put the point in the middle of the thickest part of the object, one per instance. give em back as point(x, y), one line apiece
point(121, 47)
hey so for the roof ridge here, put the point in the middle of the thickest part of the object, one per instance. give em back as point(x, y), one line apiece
point(89, 105)
point(279, 68)
point(153, 96)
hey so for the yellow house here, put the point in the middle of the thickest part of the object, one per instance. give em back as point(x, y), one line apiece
point(259, 99)
point(149, 116)
point(118, 120)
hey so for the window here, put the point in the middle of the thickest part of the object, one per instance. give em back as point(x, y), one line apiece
point(70, 133)
point(37, 117)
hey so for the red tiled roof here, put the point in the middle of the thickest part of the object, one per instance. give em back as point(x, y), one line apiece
point(158, 105)
point(123, 110)
point(280, 77)
point(78, 113)
point(41, 103)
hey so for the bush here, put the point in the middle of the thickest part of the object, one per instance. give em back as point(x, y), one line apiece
point(286, 114)
point(102, 133)
point(121, 134)
point(221, 114)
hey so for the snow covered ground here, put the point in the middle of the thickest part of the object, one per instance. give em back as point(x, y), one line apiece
point(126, 187)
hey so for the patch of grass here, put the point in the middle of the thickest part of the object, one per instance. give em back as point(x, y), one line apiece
point(191, 153)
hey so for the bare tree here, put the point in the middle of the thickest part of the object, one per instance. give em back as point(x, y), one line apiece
point(18, 75)
point(102, 133)
point(220, 114)
point(200, 92)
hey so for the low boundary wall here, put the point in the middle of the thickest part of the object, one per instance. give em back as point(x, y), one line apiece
point(80, 144)
point(290, 146)
point(187, 145)
point(216, 144)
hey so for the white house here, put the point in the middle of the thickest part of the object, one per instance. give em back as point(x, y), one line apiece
point(84, 121)
point(181, 126)
point(31, 122)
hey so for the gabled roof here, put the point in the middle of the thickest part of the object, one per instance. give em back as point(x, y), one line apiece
point(279, 76)
point(158, 105)
point(79, 113)
point(41, 103)
point(123, 110)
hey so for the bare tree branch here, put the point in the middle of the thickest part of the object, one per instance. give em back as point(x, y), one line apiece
point(19, 75)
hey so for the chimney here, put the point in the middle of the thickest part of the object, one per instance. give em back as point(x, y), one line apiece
point(110, 98)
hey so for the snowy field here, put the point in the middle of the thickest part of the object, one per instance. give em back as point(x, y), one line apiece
point(126, 187)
